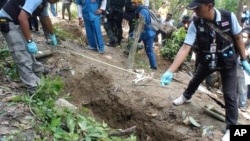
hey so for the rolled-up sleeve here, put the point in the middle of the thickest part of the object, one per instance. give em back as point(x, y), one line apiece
point(31, 5)
point(191, 35)
point(236, 28)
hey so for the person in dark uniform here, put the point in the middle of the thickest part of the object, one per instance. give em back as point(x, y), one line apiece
point(218, 54)
point(115, 21)
point(14, 25)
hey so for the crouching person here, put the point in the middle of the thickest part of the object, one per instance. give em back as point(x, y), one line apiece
point(14, 25)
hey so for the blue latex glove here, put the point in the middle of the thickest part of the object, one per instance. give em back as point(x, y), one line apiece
point(53, 39)
point(245, 66)
point(166, 78)
point(32, 47)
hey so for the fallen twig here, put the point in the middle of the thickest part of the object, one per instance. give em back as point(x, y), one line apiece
point(123, 132)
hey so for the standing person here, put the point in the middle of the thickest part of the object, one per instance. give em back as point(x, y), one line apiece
point(66, 6)
point(33, 21)
point(168, 22)
point(162, 11)
point(91, 13)
point(217, 52)
point(184, 12)
point(245, 16)
point(148, 34)
point(242, 87)
point(129, 15)
point(16, 32)
point(115, 21)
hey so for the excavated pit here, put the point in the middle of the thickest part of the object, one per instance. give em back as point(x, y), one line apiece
point(122, 108)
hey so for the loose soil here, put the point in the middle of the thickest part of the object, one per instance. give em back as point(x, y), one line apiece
point(103, 84)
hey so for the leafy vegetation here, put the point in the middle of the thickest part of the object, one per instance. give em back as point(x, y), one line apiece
point(7, 67)
point(173, 45)
point(54, 123)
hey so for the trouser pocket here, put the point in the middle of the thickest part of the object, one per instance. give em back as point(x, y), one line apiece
point(4, 25)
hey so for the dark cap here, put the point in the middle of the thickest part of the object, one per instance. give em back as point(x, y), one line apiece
point(196, 3)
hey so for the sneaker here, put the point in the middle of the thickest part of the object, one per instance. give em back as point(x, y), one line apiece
point(243, 109)
point(180, 100)
point(112, 44)
point(226, 136)
point(101, 52)
point(90, 47)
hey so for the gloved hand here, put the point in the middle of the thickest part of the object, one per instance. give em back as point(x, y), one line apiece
point(32, 48)
point(166, 78)
point(53, 39)
point(245, 65)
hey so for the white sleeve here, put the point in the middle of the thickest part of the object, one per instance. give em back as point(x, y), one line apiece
point(191, 35)
point(30, 5)
point(236, 28)
point(79, 11)
point(103, 5)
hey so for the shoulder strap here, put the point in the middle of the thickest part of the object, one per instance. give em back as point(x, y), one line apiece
point(227, 37)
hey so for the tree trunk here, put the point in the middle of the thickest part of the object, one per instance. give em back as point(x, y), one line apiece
point(239, 10)
point(132, 51)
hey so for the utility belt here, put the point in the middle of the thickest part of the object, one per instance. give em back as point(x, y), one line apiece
point(4, 24)
point(224, 58)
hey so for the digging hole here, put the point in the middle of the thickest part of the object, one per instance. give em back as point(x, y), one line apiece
point(118, 107)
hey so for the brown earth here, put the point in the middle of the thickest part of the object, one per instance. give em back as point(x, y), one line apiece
point(102, 83)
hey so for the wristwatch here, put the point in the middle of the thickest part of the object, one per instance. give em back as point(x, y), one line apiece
point(29, 41)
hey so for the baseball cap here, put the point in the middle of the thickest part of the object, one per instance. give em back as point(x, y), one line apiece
point(196, 3)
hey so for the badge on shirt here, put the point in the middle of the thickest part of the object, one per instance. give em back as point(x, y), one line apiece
point(201, 29)
point(226, 23)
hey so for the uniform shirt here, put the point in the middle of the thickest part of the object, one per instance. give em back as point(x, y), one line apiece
point(29, 6)
point(87, 8)
point(191, 34)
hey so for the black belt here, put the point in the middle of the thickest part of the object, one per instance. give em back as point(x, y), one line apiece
point(4, 19)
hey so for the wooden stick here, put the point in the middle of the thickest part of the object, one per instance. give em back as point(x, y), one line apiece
point(123, 132)
point(132, 50)
point(215, 115)
point(43, 54)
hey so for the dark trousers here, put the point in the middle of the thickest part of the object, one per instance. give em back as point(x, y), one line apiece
point(116, 25)
point(33, 21)
point(228, 77)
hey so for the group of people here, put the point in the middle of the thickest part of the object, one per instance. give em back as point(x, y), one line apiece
point(91, 12)
point(218, 36)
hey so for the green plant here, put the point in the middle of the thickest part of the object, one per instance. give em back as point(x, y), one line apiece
point(173, 45)
point(61, 33)
point(4, 51)
point(55, 123)
point(7, 66)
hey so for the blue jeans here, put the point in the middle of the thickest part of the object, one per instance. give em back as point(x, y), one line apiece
point(242, 92)
point(53, 9)
point(94, 33)
point(149, 48)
